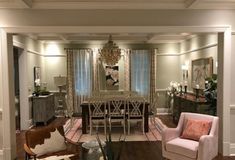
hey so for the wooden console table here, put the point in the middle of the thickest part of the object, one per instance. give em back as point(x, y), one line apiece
point(188, 103)
point(43, 108)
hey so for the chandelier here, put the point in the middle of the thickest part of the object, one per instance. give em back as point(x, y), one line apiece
point(110, 53)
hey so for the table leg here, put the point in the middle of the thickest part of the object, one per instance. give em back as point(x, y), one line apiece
point(146, 119)
point(84, 120)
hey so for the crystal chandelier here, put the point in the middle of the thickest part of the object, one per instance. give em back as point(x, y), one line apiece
point(110, 53)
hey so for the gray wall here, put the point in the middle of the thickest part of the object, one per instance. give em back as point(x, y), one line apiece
point(196, 48)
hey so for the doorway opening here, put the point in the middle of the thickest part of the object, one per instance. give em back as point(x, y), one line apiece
point(16, 53)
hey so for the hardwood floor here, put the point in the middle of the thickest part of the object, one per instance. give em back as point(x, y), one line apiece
point(20, 137)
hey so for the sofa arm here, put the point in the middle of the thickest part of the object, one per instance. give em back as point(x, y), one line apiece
point(208, 147)
point(169, 134)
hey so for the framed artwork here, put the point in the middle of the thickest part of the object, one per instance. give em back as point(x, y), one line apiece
point(37, 76)
point(111, 74)
point(201, 69)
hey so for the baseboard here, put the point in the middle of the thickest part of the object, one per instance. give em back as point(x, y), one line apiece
point(163, 111)
point(232, 149)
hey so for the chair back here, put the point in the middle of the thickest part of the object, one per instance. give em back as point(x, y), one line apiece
point(136, 107)
point(116, 106)
point(97, 107)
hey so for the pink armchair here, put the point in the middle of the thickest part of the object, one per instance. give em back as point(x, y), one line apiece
point(176, 148)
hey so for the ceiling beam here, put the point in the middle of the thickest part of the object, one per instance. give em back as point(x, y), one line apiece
point(25, 3)
point(64, 38)
point(191, 3)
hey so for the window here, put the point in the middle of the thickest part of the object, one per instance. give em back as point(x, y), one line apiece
point(140, 71)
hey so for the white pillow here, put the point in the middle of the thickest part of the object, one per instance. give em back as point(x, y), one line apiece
point(55, 143)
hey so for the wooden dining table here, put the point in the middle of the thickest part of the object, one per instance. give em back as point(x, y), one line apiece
point(85, 116)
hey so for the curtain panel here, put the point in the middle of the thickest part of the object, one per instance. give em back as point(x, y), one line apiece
point(80, 75)
point(70, 82)
point(140, 72)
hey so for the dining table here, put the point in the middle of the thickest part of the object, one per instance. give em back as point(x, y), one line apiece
point(85, 116)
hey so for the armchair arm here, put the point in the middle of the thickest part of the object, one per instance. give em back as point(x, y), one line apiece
point(208, 147)
point(28, 151)
point(169, 134)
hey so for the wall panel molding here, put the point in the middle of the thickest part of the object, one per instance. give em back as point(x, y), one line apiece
point(232, 149)
point(232, 106)
point(1, 154)
point(163, 111)
point(189, 51)
point(200, 48)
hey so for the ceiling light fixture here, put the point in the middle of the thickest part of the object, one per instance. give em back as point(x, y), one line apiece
point(110, 53)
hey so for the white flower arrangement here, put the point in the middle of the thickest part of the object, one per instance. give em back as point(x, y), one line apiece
point(37, 82)
point(173, 88)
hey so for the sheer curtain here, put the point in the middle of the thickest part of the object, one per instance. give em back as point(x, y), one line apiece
point(79, 64)
point(140, 72)
point(83, 73)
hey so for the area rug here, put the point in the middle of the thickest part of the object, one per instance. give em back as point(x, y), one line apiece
point(73, 132)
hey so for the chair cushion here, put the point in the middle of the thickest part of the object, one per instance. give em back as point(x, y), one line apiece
point(194, 129)
point(181, 146)
point(55, 143)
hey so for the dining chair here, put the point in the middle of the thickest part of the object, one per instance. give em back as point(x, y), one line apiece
point(97, 112)
point(117, 111)
point(135, 111)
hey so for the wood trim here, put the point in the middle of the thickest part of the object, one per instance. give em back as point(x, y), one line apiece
point(200, 48)
point(232, 106)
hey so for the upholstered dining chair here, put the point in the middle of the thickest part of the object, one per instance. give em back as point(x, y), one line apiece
point(135, 111)
point(46, 142)
point(117, 111)
point(194, 138)
point(97, 112)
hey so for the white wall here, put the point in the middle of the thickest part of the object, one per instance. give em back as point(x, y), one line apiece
point(33, 49)
point(1, 96)
point(29, 58)
point(232, 106)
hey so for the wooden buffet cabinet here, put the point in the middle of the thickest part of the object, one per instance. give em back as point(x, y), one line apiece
point(188, 103)
point(43, 108)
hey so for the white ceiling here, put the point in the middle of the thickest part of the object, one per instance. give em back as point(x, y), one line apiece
point(118, 4)
point(115, 4)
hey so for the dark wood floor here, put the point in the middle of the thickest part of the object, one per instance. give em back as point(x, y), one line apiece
point(20, 137)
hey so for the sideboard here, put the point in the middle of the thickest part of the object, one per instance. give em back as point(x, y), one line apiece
point(43, 108)
point(189, 103)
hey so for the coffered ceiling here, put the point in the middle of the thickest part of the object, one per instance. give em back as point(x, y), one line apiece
point(115, 4)
point(118, 4)
point(97, 38)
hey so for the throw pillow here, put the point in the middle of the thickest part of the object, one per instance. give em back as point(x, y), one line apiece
point(194, 129)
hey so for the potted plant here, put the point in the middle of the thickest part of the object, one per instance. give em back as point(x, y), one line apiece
point(108, 152)
point(211, 92)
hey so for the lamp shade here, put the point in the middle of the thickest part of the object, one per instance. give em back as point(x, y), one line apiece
point(60, 80)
